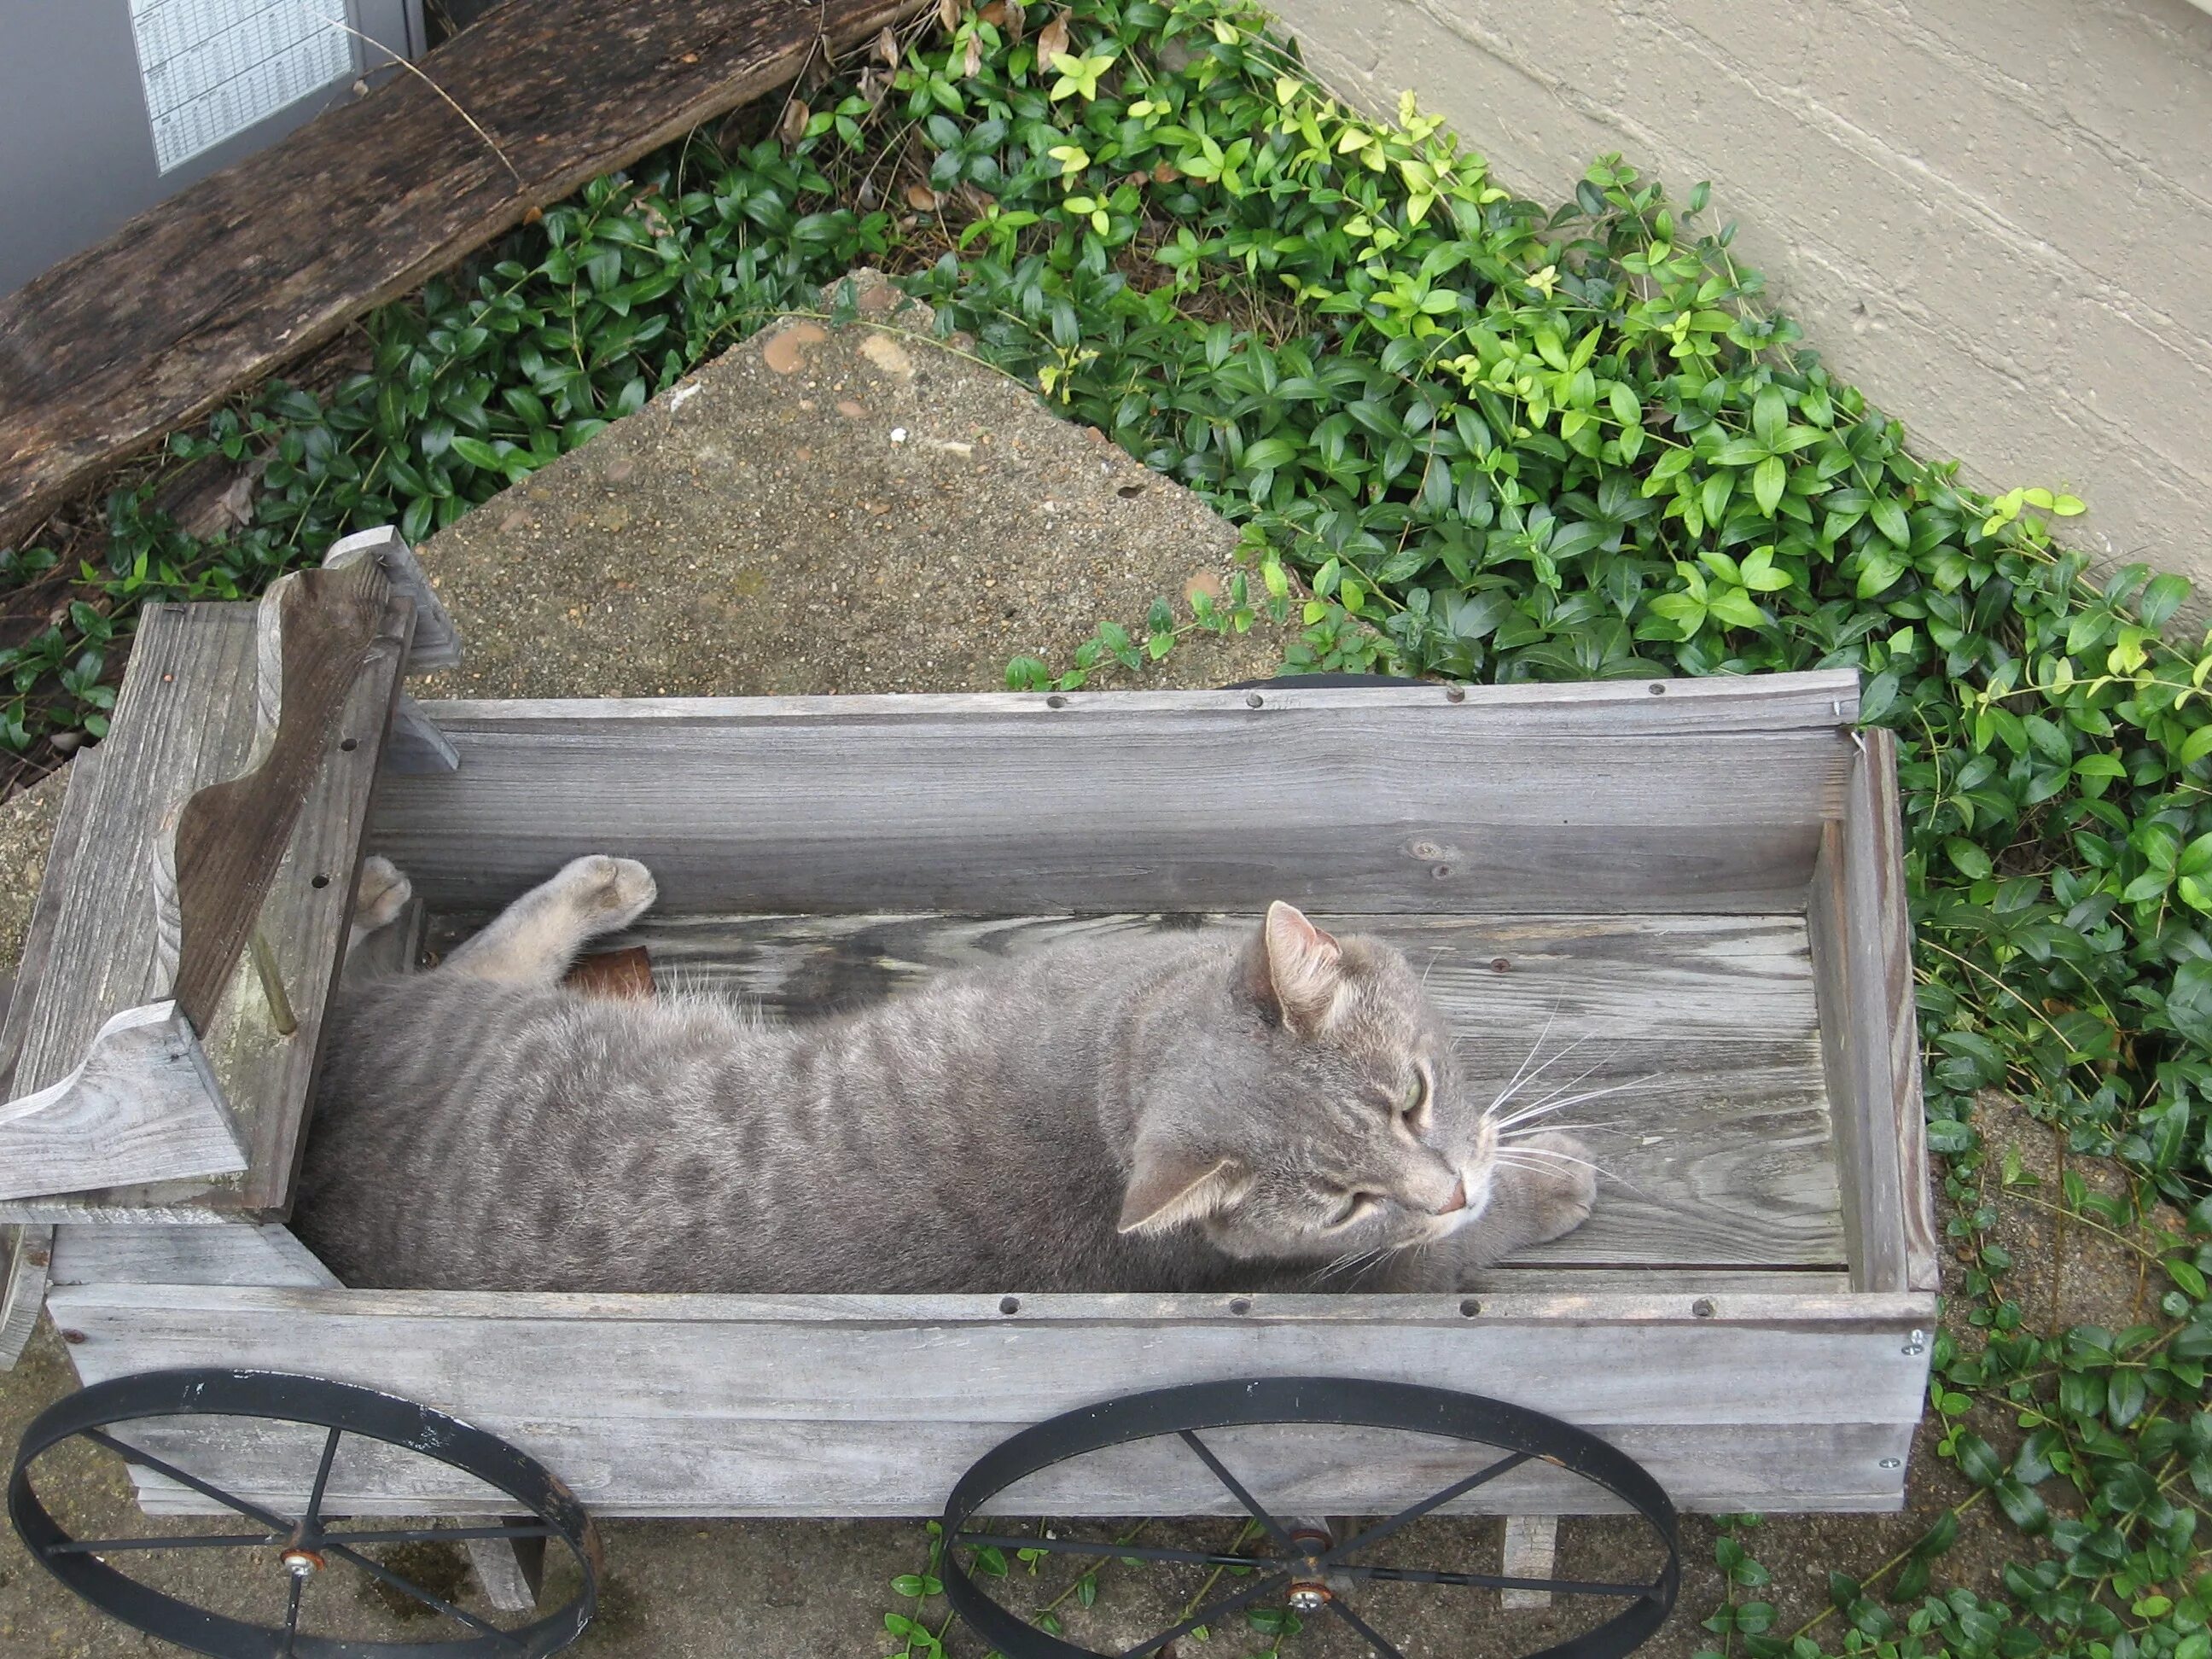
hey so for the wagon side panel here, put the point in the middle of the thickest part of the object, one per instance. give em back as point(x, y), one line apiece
point(700, 1406)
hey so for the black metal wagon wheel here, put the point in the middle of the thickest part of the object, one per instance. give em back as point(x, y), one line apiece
point(1296, 1565)
point(300, 1544)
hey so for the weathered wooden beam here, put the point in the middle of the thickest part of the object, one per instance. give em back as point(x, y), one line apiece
point(228, 800)
point(248, 270)
point(437, 643)
point(1531, 1551)
point(141, 1106)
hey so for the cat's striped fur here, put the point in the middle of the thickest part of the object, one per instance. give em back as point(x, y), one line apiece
point(1154, 1112)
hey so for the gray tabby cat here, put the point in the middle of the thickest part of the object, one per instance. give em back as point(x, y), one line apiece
point(1157, 1112)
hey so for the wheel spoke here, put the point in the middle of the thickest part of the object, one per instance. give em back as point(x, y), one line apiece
point(1276, 1528)
point(1208, 1614)
point(375, 1570)
point(202, 1541)
point(1376, 1639)
point(1488, 1581)
point(440, 1535)
point(314, 1514)
point(1383, 1530)
point(147, 1459)
point(1084, 1547)
point(292, 1615)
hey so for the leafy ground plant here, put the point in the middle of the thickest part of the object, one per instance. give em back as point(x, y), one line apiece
point(1463, 433)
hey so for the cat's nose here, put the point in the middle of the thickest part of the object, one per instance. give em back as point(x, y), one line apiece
point(1457, 1200)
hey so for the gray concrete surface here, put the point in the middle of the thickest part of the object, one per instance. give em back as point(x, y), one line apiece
point(1991, 215)
point(827, 509)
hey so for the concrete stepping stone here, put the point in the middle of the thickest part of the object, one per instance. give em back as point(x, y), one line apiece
point(829, 508)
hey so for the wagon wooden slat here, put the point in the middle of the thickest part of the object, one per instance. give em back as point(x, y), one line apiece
point(1705, 878)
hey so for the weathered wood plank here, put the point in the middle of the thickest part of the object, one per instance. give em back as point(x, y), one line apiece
point(437, 641)
point(416, 743)
point(239, 1253)
point(1861, 944)
point(1718, 1147)
point(513, 1356)
point(111, 348)
point(25, 1249)
point(713, 1466)
point(1819, 700)
point(510, 1571)
point(1206, 805)
point(1530, 1551)
point(304, 916)
point(189, 716)
point(142, 1106)
point(177, 719)
point(315, 631)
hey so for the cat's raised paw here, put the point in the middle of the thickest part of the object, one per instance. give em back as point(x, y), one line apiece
point(1559, 1178)
point(610, 893)
point(379, 895)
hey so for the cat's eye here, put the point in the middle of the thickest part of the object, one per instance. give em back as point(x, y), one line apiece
point(1413, 1105)
point(1355, 1205)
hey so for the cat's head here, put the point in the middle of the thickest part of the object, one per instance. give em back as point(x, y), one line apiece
point(1311, 1108)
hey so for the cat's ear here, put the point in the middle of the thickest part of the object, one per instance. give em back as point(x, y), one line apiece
point(1293, 969)
point(1170, 1186)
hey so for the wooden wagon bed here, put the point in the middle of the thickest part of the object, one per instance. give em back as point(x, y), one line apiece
point(1695, 886)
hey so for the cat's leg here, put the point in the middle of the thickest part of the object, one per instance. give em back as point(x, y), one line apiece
point(379, 896)
point(1546, 1193)
point(534, 939)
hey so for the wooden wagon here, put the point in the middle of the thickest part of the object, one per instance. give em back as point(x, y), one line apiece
point(1700, 880)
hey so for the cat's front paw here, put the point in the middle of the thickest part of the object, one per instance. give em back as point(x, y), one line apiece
point(607, 893)
point(379, 895)
point(1558, 1182)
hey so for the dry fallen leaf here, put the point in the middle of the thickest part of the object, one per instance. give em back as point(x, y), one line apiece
point(994, 13)
point(923, 198)
point(1165, 174)
point(973, 63)
point(1052, 38)
point(792, 127)
point(1017, 21)
point(887, 48)
point(948, 13)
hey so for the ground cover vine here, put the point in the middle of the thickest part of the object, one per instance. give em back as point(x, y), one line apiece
point(1463, 433)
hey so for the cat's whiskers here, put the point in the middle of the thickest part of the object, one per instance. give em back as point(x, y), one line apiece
point(1556, 1158)
point(1534, 1050)
point(1506, 1093)
point(1595, 1066)
point(1546, 1108)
